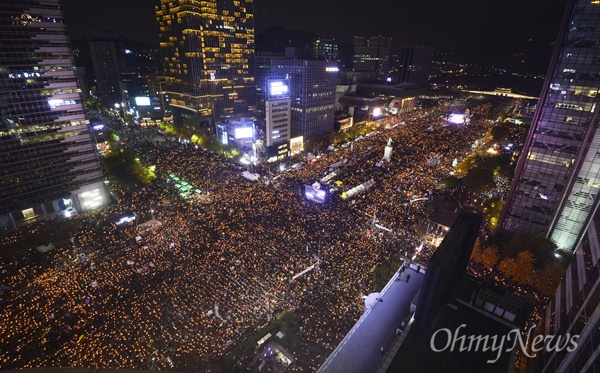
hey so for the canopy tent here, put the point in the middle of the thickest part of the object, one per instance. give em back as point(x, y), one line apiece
point(250, 176)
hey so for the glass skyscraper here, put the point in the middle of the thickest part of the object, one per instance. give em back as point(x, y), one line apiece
point(207, 49)
point(48, 160)
point(312, 93)
point(556, 184)
point(575, 310)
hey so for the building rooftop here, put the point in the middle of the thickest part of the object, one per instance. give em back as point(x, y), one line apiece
point(444, 217)
point(360, 350)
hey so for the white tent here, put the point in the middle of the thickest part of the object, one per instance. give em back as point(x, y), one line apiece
point(250, 176)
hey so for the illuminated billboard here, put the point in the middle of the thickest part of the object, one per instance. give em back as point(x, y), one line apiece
point(142, 101)
point(277, 89)
point(243, 133)
point(297, 144)
point(456, 118)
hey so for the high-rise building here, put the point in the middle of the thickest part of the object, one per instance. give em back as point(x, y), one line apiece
point(575, 310)
point(109, 64)
point(312, 92)
point(49, 163)
point(414, 64)
point(372, 54)
point(557, 180)
point(326, 50)
point(278, 117)
point(207, 49)
point(261, 73)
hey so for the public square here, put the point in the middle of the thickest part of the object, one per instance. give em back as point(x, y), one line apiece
point(215, 272)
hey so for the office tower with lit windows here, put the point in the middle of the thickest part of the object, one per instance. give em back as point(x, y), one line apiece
point(49, 163)
point(261, 73)
point(277, 117)
point(326, 50)
point(575, 309)
point(372, 54)
point(557, 179)
point(312, 87)
point(107, 54)
point(207, 49)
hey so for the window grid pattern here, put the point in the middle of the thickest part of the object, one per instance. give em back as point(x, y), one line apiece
point(45, 143)
point(558, 184)
point(312, 92)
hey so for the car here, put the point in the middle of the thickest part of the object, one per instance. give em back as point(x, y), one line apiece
point(70, 211)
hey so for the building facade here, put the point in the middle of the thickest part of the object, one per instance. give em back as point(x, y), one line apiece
point(372, 54)
point(261, 73)
point(312, 87)
point(414, 65)
point(278, 117)
point(557, 179)
point(49, 162)
point(575, 309)
point(326, 50)
point(208, 59)
point(105, 53)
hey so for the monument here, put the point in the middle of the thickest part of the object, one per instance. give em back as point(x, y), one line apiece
point(387, 154)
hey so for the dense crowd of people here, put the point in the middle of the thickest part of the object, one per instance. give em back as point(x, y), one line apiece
point(213, 273)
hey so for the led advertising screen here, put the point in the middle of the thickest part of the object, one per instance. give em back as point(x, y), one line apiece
point(297, 144)
point(243, 133)
point(456, 118)
point(314, 194)
point(142, 101)
point(277, 89)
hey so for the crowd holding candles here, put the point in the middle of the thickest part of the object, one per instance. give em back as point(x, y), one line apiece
point(213, 273)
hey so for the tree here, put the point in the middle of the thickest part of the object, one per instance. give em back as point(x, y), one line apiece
point(489, 257)
point(479, 179)
point(463, 167)
point(450, 182)
point(508, 266)
point(384, 272)
point(524, 268)
point(476, 253)
point(542, 247)
point(492, 207)
point(548, 278)
point(111, 137)
point(519, 269)
point(500, 132)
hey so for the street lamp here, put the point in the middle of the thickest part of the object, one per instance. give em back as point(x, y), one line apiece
point(152, 214)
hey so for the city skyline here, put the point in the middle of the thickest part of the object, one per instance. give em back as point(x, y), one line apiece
point(211, 205)
point(505, 31)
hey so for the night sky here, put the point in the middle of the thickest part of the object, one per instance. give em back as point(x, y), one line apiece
point(495, 27)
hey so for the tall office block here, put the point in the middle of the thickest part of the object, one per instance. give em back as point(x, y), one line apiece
point(372, 54)
point(106, 53)
point(557, 179)
point(278, 117)
point(414, 65)
point(326, 49)
point(312, 92)
point(575, 310)
point(208, 58)
point(262, 71)
point(49, 162)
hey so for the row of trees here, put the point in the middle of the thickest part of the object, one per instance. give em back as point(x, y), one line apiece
point(205, 141)
point(122, 165)
point(527, 259)
point(384, 271)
